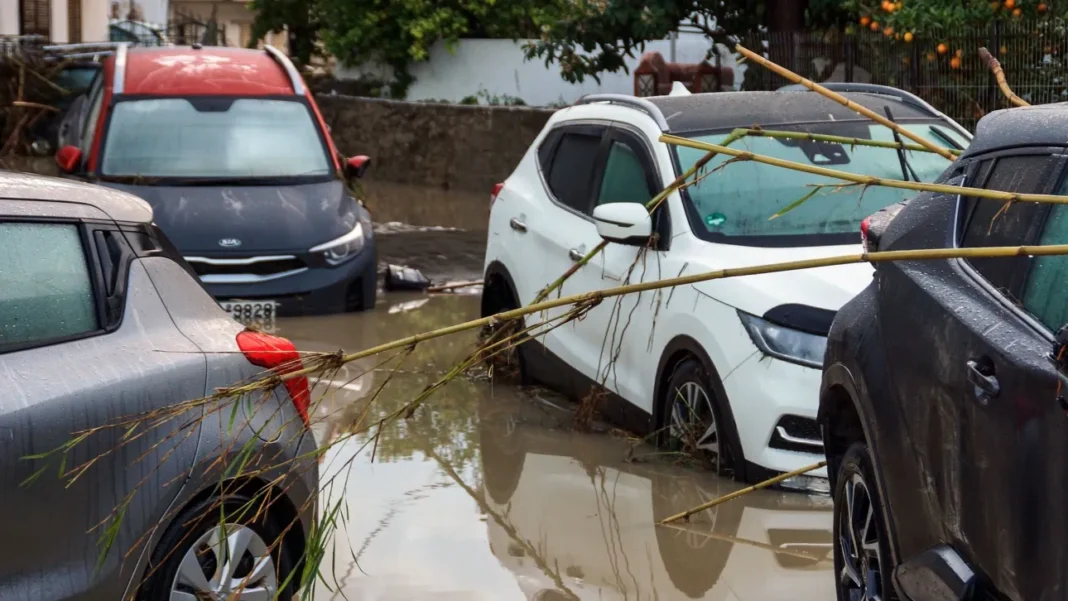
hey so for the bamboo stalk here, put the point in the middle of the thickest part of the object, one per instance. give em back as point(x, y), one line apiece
point(594, 297)
point(444, 287)
point(651, 205)
point(845, 141)
point(999, 74)
point(866, 180)
point(815, 87)
point(744, 491)
point(34, 105)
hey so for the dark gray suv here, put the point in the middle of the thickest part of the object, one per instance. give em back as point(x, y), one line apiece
point(106, 336)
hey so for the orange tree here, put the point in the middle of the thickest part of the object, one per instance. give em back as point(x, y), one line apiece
point(904, 17)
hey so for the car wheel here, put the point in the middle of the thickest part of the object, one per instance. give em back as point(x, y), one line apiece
point(497, 298)
point(364, 294)
point(203, 557)
point(693, 419)
point(862, 561)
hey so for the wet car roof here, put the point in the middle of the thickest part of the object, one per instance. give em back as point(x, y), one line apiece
point(727, 110)
point(120, 206)
point(1044, 125)
point(204, 71)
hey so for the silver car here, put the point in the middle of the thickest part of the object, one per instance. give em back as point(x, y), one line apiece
point(116, 462)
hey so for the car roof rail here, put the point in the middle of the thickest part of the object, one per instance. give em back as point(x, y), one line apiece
point(290, 68)
point(633, 102)
point(871, 88)
point(118, 85)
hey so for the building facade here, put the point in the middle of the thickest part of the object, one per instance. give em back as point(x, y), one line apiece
point(61, 21)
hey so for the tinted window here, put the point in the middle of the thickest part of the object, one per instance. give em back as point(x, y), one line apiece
point(625, 179)
point(739, 200)
point(247, 137)
point(572, 167)
point(1047, 281)
point(991, 223)
point(44, 284)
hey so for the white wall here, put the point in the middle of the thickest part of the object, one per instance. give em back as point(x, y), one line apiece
point(499, 68)
point(59, 23)
point(9, 17)
point(95, 20)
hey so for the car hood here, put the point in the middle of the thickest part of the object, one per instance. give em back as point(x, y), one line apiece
point(823, 287)
point(262, 218)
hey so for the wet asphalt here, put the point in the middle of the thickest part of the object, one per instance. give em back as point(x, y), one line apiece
point(488, 493)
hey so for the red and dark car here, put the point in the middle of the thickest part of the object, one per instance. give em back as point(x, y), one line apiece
point(233, 154)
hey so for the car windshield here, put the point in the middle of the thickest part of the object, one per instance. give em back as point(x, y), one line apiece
point(738, 201)
point(213, 138)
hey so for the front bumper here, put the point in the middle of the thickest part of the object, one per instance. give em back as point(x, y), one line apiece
point(774, 403)
point(316, 290)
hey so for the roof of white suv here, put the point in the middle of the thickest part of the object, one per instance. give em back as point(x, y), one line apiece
point(120, 206)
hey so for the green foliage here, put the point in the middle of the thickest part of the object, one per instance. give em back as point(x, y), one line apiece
point(946, 16)
point(398, 33)
point(300, 17)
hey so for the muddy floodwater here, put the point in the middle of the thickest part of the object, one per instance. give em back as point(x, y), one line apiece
point(486, 493)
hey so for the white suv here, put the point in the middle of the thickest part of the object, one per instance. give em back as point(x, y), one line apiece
point(730, 367)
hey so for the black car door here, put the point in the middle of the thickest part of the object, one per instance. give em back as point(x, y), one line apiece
point(977, 389)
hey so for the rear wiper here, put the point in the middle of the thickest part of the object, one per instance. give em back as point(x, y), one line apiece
point(906, 168)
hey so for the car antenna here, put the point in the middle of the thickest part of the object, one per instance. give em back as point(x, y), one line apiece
point(906, 168)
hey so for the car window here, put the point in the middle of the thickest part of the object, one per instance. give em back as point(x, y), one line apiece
point(735, 204)
point(96, 96)
point(625, 179)
point(1047, 279)
point(571, 169)
point(214, 137)
point(45, 290)
point(990, 223)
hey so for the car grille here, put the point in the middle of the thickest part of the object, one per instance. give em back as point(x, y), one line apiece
point(796, 433)
point(238, 270)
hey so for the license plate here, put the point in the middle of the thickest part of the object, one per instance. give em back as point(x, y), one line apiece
point(259, 313)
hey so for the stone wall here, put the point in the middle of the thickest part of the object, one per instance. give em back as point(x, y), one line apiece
point(443, 146)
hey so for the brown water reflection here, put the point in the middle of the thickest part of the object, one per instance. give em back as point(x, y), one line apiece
point(487, 495)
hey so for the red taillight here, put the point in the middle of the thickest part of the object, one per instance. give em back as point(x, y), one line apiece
point(278, 354)
point(864, 225)
point(496, 191)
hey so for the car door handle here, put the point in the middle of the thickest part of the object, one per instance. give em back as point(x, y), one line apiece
point(517, 225)
point(986, 386)
point(576, 254)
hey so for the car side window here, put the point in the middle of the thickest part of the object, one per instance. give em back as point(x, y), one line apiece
point(990, 222)
point(571, 169)
point(45, 287)
point(1047, 280)
point(625, 178)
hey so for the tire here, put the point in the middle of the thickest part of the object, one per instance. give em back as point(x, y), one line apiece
point(856, 494)
point(498, 298)
point(191, 530)
point(691, 386)
point(368, 291)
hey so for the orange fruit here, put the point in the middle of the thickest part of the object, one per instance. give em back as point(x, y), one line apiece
point(931, 56)
point(1010, 4)
point(889, 31)
point(942, 49)
point(1016, 12)
point(888, 6)
point(958, 53)
point(908, 36)
point(955, 62)
point(865, 21)
point(897, 36)
point(1042, 8)
point(1004, 50)
point(875, 26)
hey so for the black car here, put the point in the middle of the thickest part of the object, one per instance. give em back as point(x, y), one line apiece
point(231, 151)
point(943, 401)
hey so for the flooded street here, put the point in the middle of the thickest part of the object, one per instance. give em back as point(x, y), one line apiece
point(486, 493)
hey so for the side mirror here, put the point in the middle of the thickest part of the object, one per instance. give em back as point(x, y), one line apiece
point(69, 158)
point(624, 223)
point(356, 166)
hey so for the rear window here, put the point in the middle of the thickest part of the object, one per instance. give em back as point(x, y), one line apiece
point(735, 204)
point(214, 137)
point(45, 290)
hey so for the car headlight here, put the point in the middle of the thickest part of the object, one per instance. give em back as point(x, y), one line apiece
point(339, 250)
point(785, 343)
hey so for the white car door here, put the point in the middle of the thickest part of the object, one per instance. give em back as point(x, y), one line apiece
point(568, 170)
point(618, 330)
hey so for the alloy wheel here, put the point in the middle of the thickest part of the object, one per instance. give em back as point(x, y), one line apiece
point(230, 562)
point(859, 542)
point(693, 420)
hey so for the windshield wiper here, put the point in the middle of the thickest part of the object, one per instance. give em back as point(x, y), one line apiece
point(906, 168)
